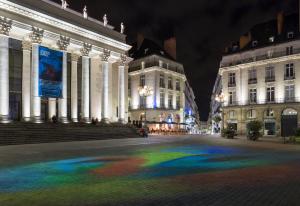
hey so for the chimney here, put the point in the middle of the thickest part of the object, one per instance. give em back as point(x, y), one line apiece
point(280, 22)
point(170, 46)
point(140, 40)
point(245, 40)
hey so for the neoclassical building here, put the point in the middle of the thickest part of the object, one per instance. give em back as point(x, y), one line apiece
point(154, 68)
point(260, 78)
point(94, 64)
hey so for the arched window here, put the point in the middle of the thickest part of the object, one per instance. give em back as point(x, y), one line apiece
point(289, 112)
point(269, 113)
point(251, 114)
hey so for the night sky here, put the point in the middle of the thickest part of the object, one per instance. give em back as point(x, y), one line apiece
point(202, 28)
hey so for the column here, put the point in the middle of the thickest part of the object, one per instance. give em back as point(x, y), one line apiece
point(63, 44)
point(85, 94)
point(51, 108)
point(105, 92)
point(26, 80)
point(74, 88)
point(36, 38)
point(96, 87)
point(5, 27)
point(121, 100)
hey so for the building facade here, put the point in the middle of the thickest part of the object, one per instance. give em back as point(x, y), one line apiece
point(216, 107)
point(261, 78)
point(94, 64)
point(166, 79)
point(191, 115)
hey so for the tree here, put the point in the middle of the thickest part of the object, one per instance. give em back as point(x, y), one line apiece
point(254, 130)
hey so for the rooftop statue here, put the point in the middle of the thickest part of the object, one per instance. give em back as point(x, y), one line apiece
point(122, 28)
point(105, 20)
point(85, 14)
point(64, 4)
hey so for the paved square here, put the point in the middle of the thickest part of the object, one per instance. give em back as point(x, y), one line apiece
point(155, 171)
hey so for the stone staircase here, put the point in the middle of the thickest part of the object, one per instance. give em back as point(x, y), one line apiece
point(28, 133)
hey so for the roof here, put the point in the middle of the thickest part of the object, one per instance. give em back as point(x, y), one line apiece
point(265, 34)
point(54, 10)
point(148, 48)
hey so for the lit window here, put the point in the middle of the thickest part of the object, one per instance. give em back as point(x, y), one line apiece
point(232, 115)
point(251, 114)
point(289, 71)
point(271, 39)
point(290, 35)
point(269, 113)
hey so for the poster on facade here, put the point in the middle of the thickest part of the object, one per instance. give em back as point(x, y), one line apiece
point(50, 73)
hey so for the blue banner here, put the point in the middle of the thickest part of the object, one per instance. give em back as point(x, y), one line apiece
point(50, 73)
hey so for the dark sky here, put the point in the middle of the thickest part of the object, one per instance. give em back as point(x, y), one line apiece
point(202, 27)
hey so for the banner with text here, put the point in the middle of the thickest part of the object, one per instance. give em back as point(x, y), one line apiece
point(50, 73)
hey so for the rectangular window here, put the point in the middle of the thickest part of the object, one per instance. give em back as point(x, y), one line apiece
point(252, 77)
point(289, 93)
point(142, 102)
point(142, 80)
point(270, 74)
point(289, 71)
point(252, 96)
point(232, 97)
point(178, 85)
point(170, 100)
point(162, 99)
point(289, 50)
point(231, 81)
point(271, 94)
point(290, 35)
point(178, 101)
point(170, 83)
point(162, 81)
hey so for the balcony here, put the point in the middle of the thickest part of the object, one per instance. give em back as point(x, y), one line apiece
point(231, 84)
point(260, 58)
point(270, 79)
point(289, 77)
point(265, 101)
point(252, 81)
point(161, 85)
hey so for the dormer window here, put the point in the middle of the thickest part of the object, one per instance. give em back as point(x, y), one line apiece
point(290, 35)
point(271, 39)
point(254, 43)
point(146, 50)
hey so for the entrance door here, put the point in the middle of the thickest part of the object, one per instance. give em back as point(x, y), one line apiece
point(270, 128)
point(289, 122)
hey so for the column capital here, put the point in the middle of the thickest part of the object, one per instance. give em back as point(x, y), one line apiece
point(5, 25)
point(37, 35)
point(63, 43)
point(86, 49)
point(123, 60)
point(105, 56)
point(75, 57)
point(26, 45)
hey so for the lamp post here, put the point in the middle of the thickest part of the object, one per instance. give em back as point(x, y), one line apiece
point(145, 92)
point(221, 99)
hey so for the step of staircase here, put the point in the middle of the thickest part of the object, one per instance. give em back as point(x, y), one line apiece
point(28, 133)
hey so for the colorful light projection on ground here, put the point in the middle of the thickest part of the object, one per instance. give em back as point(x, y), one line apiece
point(96, 176)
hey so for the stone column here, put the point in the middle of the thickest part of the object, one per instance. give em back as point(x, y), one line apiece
point(121, 100)
point(36, 38)
point(51, 108)
point(105, 97)
point(63, 44)
point(85, 94)
point(96, 87)
point(5, 27)
point(27, 46)
point(74, 88)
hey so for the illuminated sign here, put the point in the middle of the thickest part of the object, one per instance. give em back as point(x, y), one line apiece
point(50, 73)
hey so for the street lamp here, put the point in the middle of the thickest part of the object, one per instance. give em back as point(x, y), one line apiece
point(145, 92)
point(221, 99)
